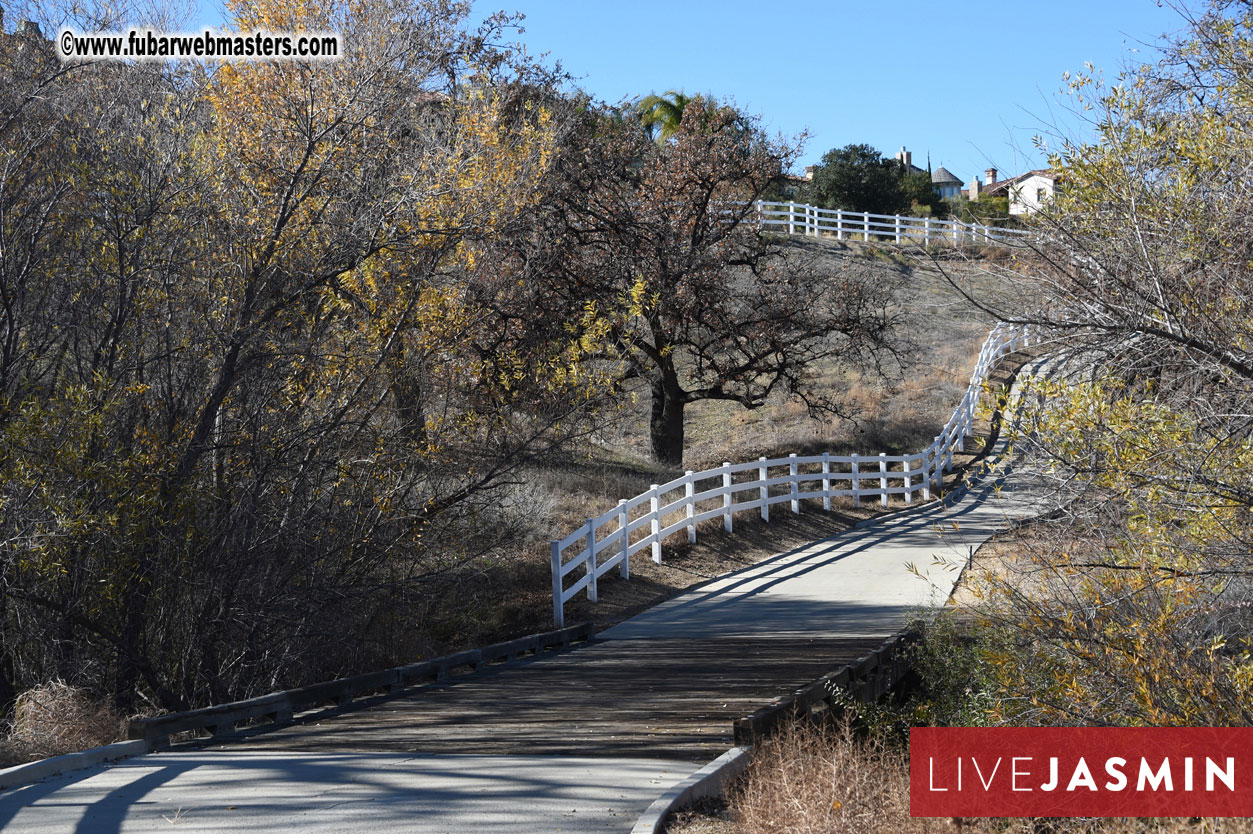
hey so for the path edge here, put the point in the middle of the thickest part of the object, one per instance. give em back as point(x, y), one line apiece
point(710, 780)
point(40, 769)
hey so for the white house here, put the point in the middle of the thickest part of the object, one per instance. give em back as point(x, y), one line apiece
point(1027, 193)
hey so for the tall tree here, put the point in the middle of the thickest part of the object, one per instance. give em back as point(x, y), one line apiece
point(858, 178)
point(248, 404)
point(662, 115)
point(1141, 600)
point(657, 245)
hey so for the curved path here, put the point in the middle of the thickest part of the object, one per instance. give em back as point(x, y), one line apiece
point(578, 742)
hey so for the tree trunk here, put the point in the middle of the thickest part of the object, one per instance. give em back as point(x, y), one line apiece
point(666, 427)
point(8, 669)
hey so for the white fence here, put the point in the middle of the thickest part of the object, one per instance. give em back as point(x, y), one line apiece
point(800, 219)
point(609, 540)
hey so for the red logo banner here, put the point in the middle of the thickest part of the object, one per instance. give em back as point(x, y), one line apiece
point(1081, 772)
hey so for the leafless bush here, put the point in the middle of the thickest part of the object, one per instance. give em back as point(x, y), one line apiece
point(820, 780)
point(55, 718)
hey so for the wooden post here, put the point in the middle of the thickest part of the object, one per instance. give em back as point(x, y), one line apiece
point(590, 564)
point(839, 224)
point(764, 490)
point(938, 460)
point(654, 503)
point(907, 467)
point(826, 481)
point(926, 231)
point(726, 496)
point(759, 207)
point(791, 218)
point(856, 482)
point(898, 228)
point(559, 618)
point(926, 474)
point(624, 521)
point(691, 509)
point(865, 219)
point(795, 488)
point(883, 476)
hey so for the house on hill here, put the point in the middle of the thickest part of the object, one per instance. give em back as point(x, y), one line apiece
point(943, 181)
point(1027, 193)
point(946, 184)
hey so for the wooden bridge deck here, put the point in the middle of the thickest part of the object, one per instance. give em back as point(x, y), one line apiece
point(659, 698)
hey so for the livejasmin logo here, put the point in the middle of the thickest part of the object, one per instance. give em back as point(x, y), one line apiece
point(1081, 771)
point(1081, 776)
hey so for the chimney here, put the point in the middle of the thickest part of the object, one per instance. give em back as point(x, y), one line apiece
point(905, 157)
point(29, 28)
point(809, 171)
point(973, 193)
point(990, 174)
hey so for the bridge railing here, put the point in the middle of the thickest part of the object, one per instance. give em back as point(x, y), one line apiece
point(608, 541)
point(801, 219)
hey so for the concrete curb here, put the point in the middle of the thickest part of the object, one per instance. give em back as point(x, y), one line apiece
point(35, 771)
point(710, 780)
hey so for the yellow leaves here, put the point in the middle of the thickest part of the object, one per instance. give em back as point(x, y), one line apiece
point(637, 294)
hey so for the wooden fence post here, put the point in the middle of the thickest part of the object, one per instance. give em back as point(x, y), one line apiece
point(826, 481)
point(883, 476)
point(839, 224)
point(962, 411)
point(624, 522)
point(590, 564)
point(856, 481)
point(926, 231)
point(898, 228)
point(654, 503)
point(691, 508)
point(559, 617)
point(791, 218)
point(726, 496)
point(926, 473)
point(764, 490)
point(795, 488)
point(865, 219)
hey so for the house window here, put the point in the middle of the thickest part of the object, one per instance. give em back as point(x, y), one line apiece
point(1040, 195)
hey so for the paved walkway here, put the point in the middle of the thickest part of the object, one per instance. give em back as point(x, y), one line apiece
point(579, 742)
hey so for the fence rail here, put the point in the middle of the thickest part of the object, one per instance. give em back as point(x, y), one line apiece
point(279, 708)
point(801, 219)
point(608, 541)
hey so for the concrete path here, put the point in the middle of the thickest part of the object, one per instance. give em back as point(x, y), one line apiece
point(310, 793)
point(657, 693)
point(854, 584)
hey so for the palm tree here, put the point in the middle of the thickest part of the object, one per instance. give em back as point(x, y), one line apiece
point(661, 115)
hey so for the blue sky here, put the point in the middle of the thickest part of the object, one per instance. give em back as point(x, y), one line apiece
point(971, 83)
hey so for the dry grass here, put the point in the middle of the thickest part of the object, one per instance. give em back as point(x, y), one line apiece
point(821, 780)
point(55, 718)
